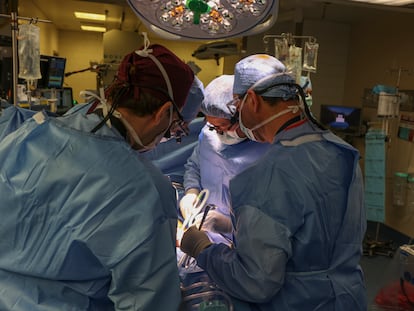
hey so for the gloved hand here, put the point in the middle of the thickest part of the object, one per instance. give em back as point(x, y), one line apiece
point(194, 241)
point(215, 222)
point(187, 202)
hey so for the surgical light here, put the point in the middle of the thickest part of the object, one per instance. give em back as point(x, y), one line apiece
point(206, 19)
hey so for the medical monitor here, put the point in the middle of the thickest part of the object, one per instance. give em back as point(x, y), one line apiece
point(52, 69)
point(341, 118)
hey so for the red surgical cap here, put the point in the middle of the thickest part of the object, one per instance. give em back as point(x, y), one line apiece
point(142, 71)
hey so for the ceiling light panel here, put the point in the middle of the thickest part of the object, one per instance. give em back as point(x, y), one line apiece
point(93, 28)
point(90, 16)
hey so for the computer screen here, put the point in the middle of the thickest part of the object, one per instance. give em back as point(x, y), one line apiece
point(52, 69)
point(341, 118)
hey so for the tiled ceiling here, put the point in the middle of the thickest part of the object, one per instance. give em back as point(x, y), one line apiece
point(119, 14)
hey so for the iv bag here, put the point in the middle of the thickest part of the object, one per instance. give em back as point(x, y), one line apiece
point(282, 50)
point(388, 105)
point(310, 56)
point(295, 61)
point(29, 52)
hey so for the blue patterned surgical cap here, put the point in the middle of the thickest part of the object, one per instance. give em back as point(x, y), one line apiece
point(218, 94)
point(262, 71)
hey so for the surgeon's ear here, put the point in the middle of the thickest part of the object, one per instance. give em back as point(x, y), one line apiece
point(255, 100)
point(163, 110)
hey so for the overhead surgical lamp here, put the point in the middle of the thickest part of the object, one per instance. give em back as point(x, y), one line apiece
point(206, 19)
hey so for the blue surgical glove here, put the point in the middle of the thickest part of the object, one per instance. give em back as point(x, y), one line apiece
point(194, 241)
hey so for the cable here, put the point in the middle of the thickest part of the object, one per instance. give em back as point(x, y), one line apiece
point(302, 96)
point(115, 103)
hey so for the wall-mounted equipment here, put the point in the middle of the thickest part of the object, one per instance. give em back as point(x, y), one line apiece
point(216, 50)
point(206, 19)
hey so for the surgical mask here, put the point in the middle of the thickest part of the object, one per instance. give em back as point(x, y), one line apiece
point(154, 142)
point(249, 132)
point(230, 138)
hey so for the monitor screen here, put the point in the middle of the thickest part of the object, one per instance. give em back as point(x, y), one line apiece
point(52, 69)
point(341, 118)
point(56, 72)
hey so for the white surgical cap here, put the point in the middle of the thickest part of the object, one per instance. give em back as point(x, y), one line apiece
point(194, 99)
point(217, 95)
point(263, 71)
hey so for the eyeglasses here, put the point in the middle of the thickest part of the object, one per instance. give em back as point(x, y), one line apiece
point(232, 105)
point(220, 129)
point(232, 108)
point(177, 128)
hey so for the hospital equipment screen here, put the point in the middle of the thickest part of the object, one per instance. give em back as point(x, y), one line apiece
point(52, 69)
point(341, 118)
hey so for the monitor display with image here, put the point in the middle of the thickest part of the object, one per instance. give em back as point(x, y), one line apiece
point(52, 69)
point(341, 118)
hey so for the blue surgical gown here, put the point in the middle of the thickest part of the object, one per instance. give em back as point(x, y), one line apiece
point(212, 165)
point(299, 224)
point(86, 223)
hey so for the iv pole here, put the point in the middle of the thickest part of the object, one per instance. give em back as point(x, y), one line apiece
point(14, 29)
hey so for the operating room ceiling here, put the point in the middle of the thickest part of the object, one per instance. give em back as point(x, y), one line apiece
point(120, 16)
point(61, 13)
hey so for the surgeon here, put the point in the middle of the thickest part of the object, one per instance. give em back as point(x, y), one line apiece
point(299, 218)
point(87, 223)
point(222, 152)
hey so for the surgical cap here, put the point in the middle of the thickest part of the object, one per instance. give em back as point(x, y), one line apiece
point(142, 71)
point(194, 99)
point(217, 95)
point(266, 69)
